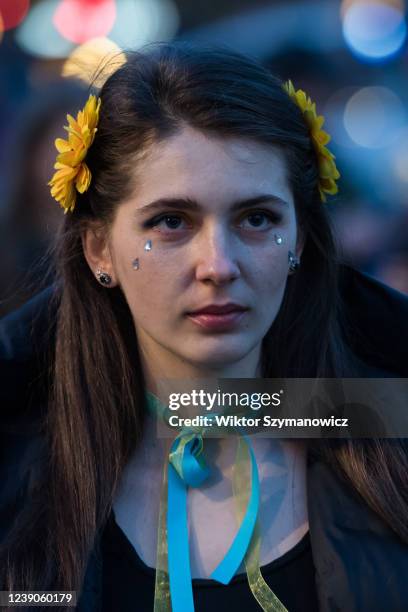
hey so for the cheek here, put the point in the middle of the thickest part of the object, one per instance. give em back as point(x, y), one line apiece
point(269, 258)
point(270, 266)
point(153, 286)
point(270, 276)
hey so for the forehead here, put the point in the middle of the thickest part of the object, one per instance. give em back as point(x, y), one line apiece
point(208, 168)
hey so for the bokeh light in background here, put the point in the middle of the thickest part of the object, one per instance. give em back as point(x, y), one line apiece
point(369, 129)
point(94, 61)
point(333, 111)
point(81, 20)
point(375, 30)
point(12, 13)
point(37, 34)
point(53, 28)
point(142, 21)
point(373, 117)
point(399, 160)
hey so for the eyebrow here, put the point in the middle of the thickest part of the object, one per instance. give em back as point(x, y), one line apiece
point(191, 204)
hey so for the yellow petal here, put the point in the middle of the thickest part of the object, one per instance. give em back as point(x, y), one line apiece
point(289, 88)
point(91, 112)
point(335, 174)
point(66, 173)
point(321, 137)
point(326, 167)
point(86, 137)
point(329, 186)
point(59, 191)
point(74, 138)
point(319, 122)
point(72, 122)
point(62, 145)
point(301, 98)
point(83, 179)
point(81, 119)
point(72, 158)
point(73, 126)
point(58, 165)
point(324, 152)
point(90, 107)
point(69, 201)
point(310, 118)
point(322, 196)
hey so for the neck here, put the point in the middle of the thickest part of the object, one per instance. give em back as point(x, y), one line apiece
point(161, 365)
point(161, 368)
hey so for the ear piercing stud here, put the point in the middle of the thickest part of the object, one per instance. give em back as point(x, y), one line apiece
point(135, 264)
point(294, 262)
point(103, 277)
point(278, 239)
point(148, 246)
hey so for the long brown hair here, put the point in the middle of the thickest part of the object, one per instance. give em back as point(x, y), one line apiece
point(96, 400)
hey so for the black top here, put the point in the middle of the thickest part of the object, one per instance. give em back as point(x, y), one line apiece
point(128, 583)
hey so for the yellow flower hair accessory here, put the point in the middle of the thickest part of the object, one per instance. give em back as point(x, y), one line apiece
point(72, 172)
point(328, 173)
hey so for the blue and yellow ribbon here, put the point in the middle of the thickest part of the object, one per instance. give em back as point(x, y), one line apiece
point(187, 468)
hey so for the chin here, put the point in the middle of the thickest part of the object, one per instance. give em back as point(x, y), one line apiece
point(219, 357)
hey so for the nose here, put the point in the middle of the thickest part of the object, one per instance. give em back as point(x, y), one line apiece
point(217, 260)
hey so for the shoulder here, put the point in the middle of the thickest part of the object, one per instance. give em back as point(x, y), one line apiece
point(21, 329)
point(26, 337)
point(376, 322)
point(352, 546)
point(366, 291)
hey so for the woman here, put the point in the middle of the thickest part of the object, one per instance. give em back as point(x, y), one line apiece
point(196, 244)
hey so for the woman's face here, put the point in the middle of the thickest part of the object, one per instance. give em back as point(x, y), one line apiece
point(214, 242)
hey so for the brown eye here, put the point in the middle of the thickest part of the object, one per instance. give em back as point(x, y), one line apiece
point(259, 220)
point(172, 222)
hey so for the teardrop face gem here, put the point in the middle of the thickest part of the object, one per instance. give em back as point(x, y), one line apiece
point(278, 239)
point(148, 246)
point(135, 264)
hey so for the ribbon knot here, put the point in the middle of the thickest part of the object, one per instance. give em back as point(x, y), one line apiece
point(186, 457)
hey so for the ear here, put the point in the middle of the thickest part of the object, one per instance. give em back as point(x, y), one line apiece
point(95, 244)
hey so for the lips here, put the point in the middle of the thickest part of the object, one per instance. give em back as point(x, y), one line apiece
point(219, 317)
point(219, 309)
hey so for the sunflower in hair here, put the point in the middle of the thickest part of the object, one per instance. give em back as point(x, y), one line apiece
point(72, 174)
point(328, 173)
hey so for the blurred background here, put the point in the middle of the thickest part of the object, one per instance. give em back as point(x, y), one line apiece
point(351, 57)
